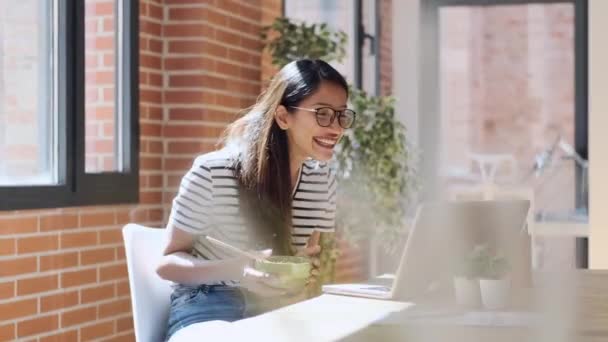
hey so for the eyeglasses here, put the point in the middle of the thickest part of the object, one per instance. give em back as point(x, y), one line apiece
point(327, 115)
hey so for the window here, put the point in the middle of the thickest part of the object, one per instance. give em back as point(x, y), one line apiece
point(506, 79)
point(68, 103)
point(359, 20)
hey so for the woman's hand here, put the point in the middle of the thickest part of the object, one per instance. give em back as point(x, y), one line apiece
point(312, 250)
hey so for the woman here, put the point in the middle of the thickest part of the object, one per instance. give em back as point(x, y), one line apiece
point(269, 187)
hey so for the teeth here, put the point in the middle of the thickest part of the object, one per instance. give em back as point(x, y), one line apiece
point(327, 141)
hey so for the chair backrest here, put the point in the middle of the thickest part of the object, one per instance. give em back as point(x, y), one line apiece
point(150, 294)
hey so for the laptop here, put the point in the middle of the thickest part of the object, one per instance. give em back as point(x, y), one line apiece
point(441, 235)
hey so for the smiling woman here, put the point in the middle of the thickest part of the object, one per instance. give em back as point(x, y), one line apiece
point(269, 187)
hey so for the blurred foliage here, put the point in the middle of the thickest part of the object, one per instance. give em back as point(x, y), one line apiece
point(301, 40)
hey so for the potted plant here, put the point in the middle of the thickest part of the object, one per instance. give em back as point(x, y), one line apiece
point(374, 162)
point(466, 278)
point(494, 281)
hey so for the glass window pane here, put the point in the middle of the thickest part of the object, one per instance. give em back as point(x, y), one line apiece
point(507, 87)
point(100, 86)
point(28, 149)
point(338, 15)
point(369, 55)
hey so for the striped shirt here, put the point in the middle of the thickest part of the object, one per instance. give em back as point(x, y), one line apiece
point(208, 204)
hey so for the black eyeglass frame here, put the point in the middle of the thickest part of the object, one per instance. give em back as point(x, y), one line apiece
point(336, 113)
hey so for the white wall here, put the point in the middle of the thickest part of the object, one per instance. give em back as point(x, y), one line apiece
point(598, 134)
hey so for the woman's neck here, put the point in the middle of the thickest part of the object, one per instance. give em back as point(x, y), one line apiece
point(294, 170)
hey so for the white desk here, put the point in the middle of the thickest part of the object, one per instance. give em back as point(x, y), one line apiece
point(331, 318)
point(325, 318)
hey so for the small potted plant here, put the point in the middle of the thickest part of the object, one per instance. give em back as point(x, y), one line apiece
point(494, 282)
point(466, 278)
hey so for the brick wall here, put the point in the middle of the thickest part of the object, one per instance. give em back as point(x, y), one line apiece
point(386, 44)
point(62, 271)
point(100, 67)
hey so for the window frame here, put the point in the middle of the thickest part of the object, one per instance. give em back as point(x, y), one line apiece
point(429, 89)
point(76, 187)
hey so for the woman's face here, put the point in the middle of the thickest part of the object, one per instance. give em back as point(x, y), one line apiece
point(306, 138)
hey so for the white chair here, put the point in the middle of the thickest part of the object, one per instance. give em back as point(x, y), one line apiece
point(150, 294)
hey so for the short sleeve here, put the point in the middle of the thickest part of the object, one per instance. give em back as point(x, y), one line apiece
point(192, 205)
point(330, 211)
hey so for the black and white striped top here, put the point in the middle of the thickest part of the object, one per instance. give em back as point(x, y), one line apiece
point(208, 204)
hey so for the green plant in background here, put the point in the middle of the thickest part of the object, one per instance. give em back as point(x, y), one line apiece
point(375, 173)
point(374, 161)
point(301, 40)
point(472, 265)
point(485, 264)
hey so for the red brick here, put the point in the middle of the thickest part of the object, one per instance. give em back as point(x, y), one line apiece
point(217, 18)
point(97, 293)
point(58, 261)
point(178, 163)
point(188, 63)
point(192, 131)
point(150, 163)
point(112, 272)
point(103, 146)
point(59, 301)
point(150, 129)
point(197, 114)
point(80, 239)
point(78, 316)
point(198, 47)
point(7, 332)
point(7, 247)
point(150, 197)
point(114, 308)
point(96, 256)
point(188, 30)
point(58, 222)
point(18, 225)
point(189, 97)
point(110, 236)
point(37, 325)
point(76, 278)
point(95, 9)
point(155, 45)
point(37, 284)
point(156, 11)
point(22, 308)
point(37, 244)
point(120, 251)
point(188, 13)
point(66, 336)
point(150, 61)
point(152, 96)
point(122, 288)
point(150, 27)
point(96, 331)
point(124, 324)
point(13, 267)
point(97, 219)
point(7, 290)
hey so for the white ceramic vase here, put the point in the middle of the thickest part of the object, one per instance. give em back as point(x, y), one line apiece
point(467, 292)
point(495, 293)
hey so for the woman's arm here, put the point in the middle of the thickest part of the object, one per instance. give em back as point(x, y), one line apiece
point(179, 266)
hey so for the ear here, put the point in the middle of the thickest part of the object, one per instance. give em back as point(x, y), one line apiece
point(280, 116)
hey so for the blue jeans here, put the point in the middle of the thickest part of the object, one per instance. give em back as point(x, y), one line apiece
point(195, 304)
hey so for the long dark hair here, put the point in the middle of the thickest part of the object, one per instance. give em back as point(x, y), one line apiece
point(263, 168)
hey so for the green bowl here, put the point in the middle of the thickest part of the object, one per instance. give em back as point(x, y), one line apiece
point(293, 271)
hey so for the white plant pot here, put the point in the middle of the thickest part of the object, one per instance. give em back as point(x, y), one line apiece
point(467, 292)
point(495, 294)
